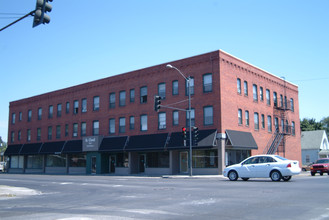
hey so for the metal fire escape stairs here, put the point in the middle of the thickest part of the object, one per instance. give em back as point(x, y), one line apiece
point(274, 143)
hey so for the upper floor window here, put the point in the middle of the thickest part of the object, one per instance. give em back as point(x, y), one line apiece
point(245, 86)
point(246, 115)
point(268, 97)
point(66, 130)
point(292, 105)
point(175, 117)
point(162, 120)
point(39, 113)
point(285, 102)
point(112, 126)
point(256, 121)
point(275, 99)
point(255, 92)
point(240, 116)
point(29, 115)
point(122, 125)
point(95, 128)
point(191, 80)
point(122, 98)
point(261, 93)
point(112, 100)
point(13, 118)
point(175, 87)
point(132, 95)
point(269, 123)
point(143, 122)
point(58, 132)
point(59, 110)
point(28, 135)
point(238, 81)
point(75, 130)
point(96, 103)
point(20, 116)
point(83, 129)
point(50, 133)
point(67, 110)
point(281, 101)
point(143, 94)
point(162, 90)
point(131, 122)
point(84, 105)
point(38, 134)
point(50, 111)
point(12, 137)
point(293, 131)
point(207, 82)
point(263, 121)
point(208, 115)
point(276, 124)
point(75, 107)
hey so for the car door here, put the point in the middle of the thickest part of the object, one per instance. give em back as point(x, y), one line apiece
point(263, 167)
point(248, 168)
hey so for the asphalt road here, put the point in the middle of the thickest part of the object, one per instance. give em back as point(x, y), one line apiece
point(115, 197)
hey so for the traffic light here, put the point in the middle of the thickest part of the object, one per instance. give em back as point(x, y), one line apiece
point(195, 135)
point(40, 16)
point(184, 132)
point(157, 102)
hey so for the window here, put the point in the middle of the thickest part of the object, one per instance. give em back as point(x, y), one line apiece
point(276, 124)
point(34, 161)
point(75, 130)
point(191, 86)
point(66, 130)
point(162, 90)
point(143, 94)
point(76, 107)
point(122, 125)
point(83, 129)
point(13, 118)
point(205, 159)
point(239, 85)
point(38, 134)
point(285, 102)
point(58, 131)
point(67, 108)
point(292, 105)
point(16, 161)
point(59, 110)
point(240, 116)
point(12, 137)
point(39, 113)
point(19, 136)
point(175, 90)
point(255, 92)
point(112, 126)
point(207, 82)
point(77, 160)
point(246, 115)
point(29, 115)
point(293, 131)
point(96, 103)
point(50, 133)
point(208, 115)
point(192, 118)
point(122, 98)
point(157, 159)
point(268, 98)
point(122, 160)
point(275, 99)
point(56, 161)
point(132, 95)
point(245, 86)
point(112, 100)
point(50, 111)
point(175, 116)
point(281, 101)
point(143, 123)
point(261, 93)
point(28, 135)
point(256, 121)
point(95, 128)
point(269, 123)
point(263, 121)
point(84, 105)
point(20, 116)
point(131, 122)
point(162, 120)
point(282, 125)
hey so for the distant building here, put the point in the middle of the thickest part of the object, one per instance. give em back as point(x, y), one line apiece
point(110, 125)
point(314, 146)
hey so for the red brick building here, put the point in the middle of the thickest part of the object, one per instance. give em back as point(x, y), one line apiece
point(110, 125)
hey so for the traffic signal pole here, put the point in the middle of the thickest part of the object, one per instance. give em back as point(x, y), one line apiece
point(25, 16)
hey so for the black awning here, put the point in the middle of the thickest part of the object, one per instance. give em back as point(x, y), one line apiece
point(240, 140)
point(30, 149)
point(73, 146)
point(206, 139)
point(52, 147)
point(13, 149)
point(110, 144)
point(147, 142)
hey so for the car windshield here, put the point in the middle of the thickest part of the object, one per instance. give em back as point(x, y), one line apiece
point(281, 158)
point(323, 161)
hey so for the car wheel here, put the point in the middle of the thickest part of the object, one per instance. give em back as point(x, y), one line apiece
point(313, 174)
point(275, 175)
point(233, 175)
point(286, 178)
point(245, 179)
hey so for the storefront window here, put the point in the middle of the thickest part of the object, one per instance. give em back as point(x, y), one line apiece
point(34, 161)
point(77, 160)
point(157, 159)
point(122, 160)
point(56, 161)
point(205, 159)
point(16, 161)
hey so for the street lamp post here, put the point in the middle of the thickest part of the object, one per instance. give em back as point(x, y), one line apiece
point(187, 79)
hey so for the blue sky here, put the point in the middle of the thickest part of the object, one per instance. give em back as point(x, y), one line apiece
point(89, 40)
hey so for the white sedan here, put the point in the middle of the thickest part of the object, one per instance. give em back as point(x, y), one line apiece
point(263, 166)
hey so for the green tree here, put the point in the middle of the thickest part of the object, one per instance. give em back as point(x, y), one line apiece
point(325, 122)
point(310, 125)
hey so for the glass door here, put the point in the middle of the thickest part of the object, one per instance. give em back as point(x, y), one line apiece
point(93, 165)
point(183, 161)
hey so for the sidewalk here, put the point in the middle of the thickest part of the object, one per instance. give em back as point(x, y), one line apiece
point(7, 192)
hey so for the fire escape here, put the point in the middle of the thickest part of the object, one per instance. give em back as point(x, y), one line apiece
point(276, 144)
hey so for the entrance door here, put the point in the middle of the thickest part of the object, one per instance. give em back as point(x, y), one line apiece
point(183, 160)
point(142, 158)
point(112, 163)
point(93, 165)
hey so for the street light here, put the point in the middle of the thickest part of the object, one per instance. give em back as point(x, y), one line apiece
point(189, 109)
